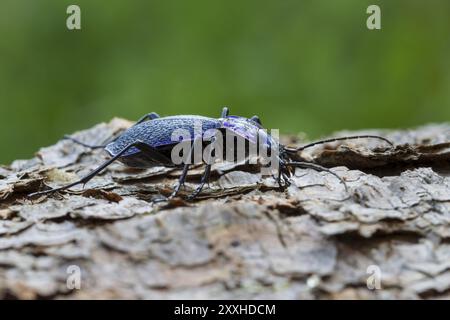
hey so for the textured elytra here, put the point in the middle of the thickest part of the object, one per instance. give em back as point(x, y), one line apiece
point(162, 132)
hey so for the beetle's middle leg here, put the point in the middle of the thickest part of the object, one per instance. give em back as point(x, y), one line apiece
point(186, 166)
point(206, 173)
point(181, 180)
point(203, 181)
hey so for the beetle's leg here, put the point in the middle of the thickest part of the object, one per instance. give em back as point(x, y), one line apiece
point(286, 180)
point(66, 137)
point(92, 174)
point(309, 165)
point(186, 166)
point(280, 170)
point(282, 178)
point(256, 119)
point(142, 146)
point(181, 181)
point(203, 181)
point(206, 173)
point(225, 112)
point(148, 116)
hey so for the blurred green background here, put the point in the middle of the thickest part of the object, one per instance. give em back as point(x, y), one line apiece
point(309, 66)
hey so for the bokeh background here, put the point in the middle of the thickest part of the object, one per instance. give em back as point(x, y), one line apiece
point(303, 66)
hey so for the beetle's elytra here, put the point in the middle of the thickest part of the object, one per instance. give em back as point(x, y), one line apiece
point(149, 142)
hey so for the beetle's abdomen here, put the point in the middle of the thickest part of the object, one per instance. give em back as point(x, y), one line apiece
point(159, 132)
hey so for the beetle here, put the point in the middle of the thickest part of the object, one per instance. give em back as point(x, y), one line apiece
point(149, 142)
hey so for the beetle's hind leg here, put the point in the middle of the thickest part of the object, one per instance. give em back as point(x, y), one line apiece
point(138, 144)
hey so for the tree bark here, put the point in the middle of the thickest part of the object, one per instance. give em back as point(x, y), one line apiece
point(386, 237)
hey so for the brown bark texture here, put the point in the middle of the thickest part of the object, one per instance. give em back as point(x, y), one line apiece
point(387, 237)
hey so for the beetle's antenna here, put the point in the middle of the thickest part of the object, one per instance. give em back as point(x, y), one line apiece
point(337, 139)
point(309, 165)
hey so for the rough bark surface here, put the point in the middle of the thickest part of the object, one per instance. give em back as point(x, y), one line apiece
point(243, 238)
